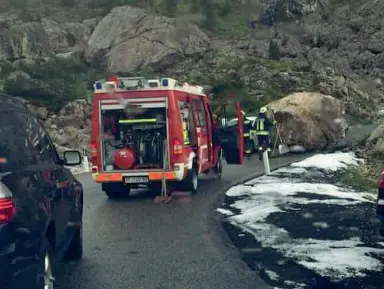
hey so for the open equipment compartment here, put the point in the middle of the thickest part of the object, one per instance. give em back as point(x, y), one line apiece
point(133, 139)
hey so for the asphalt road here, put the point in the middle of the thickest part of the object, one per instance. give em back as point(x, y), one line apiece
point(135, 243)
point(311, 235)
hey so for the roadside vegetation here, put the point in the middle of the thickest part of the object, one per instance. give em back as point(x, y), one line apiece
point(59, 80)
point(50, 82)
point(362, 178)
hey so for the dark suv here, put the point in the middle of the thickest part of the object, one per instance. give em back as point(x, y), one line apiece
point(41, 202)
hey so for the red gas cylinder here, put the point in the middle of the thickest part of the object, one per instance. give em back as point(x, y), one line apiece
point(125, 158)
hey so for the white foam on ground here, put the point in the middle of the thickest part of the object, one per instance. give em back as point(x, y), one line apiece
point(224, 212)
point(267, 195)
point(291, 170)
point(329, 162)
point(272, 275)
point(279, 188)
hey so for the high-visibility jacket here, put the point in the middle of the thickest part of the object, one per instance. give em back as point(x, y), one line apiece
point(263, 125)
point(186, 133)
point(247, 127)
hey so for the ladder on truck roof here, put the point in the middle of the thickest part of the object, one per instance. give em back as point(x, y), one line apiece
point(140, 83)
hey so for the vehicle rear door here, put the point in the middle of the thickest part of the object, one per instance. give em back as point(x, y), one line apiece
point(202, 149)
point(231, 140)
point(56, 187)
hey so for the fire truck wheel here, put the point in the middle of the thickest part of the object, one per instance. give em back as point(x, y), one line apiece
point(192, 181)
point(116, 190)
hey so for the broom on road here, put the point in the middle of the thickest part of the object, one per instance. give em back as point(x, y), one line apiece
point(165, 196)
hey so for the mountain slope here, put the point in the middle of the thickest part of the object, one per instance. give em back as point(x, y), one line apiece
point(259, 49)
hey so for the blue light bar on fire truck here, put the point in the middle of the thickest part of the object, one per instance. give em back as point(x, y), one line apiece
point(173, 83)
point(100, 86)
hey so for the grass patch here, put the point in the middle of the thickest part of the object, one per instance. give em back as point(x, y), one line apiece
point(360, 178)
point(281, 66)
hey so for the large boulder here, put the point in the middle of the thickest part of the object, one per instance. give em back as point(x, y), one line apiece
point(309, 119)
point(129, 38)
point(374, 144)
point(22, 40)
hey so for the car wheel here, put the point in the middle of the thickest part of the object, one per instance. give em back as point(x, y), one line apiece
point(46, 277)
point(192, 181)
point(75, 249)
point(117, 190)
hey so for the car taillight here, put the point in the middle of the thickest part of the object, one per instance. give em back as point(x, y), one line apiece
point(7, 206)
point(177, 147)
point(93, 148)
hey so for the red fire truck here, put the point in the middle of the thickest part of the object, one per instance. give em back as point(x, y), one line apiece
point(146, 130)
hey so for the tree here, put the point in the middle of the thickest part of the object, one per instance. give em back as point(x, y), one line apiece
point(209, 10)
point(274, 50)
point(170, 7)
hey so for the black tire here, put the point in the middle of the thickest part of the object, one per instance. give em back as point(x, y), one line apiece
point(191, 183)
point(116, 190)
point(46, 255)
point(75, 249)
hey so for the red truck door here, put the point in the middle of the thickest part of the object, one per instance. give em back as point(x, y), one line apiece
point(202, 133)
point(231, 140)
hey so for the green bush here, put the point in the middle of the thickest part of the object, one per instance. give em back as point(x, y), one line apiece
point(274, 50)
point(52, 83)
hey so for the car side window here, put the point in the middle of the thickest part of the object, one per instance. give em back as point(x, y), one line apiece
point(43, 145)
point(15, 148)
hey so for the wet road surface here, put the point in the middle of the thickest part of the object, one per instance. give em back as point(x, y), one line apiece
point(306, 229)
point(135, 243)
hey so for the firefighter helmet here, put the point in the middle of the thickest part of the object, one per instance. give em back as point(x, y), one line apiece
point(263, 109)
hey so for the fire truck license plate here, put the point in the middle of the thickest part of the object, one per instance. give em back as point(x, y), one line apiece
point(136, 180)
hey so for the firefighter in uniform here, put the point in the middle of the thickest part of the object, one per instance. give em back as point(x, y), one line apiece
point(247, 134)
point(263, 131)
point(186, 137)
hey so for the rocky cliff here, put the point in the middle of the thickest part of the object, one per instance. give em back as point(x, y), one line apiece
point(262, 50)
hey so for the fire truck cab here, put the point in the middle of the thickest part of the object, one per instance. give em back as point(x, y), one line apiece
point(146, 130)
